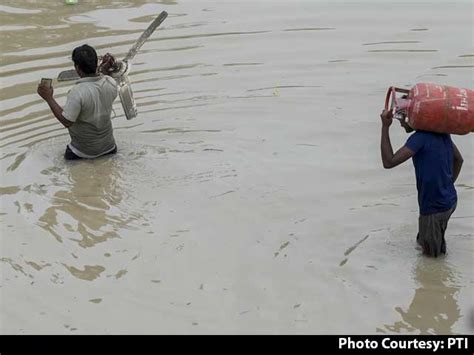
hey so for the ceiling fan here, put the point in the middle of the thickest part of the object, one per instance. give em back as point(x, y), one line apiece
point(122, 68)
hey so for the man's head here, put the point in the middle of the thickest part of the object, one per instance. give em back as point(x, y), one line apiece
point(403, 118)
point(85, 60)
point(406, 126)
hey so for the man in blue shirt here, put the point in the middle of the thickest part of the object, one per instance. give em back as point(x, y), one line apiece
point(437, 163)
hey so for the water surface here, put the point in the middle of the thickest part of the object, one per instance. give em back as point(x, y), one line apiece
point(248, 196)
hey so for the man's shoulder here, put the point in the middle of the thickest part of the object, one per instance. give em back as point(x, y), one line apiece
point(417, 141)
point(417, 135)
point(109, 80)
point(430, 141)
point(103, 82)
point(423, 133)
point(109, 85)
point(74, 91)
point(426, 135)
point(430, 135)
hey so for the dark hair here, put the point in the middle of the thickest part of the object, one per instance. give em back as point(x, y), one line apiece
point(85, 57)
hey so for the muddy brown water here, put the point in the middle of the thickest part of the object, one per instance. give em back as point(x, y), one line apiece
point(248, 196)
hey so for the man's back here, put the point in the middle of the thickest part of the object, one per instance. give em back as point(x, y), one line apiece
point(89, 106)
point(433, 161)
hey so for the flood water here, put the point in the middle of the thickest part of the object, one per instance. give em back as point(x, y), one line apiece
point(248, 196)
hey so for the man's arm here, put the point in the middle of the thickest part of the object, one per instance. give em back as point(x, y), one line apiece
point(47, 94)
point(457, 162)
point(389, 159)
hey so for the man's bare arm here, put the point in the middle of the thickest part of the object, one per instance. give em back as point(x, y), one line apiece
point(389, 159)
point(457, 162)
point(47, 94)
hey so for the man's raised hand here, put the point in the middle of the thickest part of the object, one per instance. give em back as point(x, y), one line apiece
point(386, 117)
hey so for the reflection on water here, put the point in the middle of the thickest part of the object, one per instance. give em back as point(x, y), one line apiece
point(434, 309)
point(90, 273)
point(36, 27)
point(88, 202)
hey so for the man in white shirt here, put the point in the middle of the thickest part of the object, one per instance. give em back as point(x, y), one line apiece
point(87, 113)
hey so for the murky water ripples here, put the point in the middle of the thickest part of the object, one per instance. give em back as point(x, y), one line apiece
point(235, 186)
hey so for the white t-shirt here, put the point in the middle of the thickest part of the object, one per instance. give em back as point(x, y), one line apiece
point(89, 106)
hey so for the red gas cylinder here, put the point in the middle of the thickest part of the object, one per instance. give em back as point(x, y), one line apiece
point(434, 108)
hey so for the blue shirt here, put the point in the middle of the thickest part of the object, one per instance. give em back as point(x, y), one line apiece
point(433, 161)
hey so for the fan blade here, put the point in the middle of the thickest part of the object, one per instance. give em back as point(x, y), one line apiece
point(126, 97)
point(68, 75)
point(133, 51)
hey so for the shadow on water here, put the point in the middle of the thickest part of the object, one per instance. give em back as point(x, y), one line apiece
point(434, 308)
